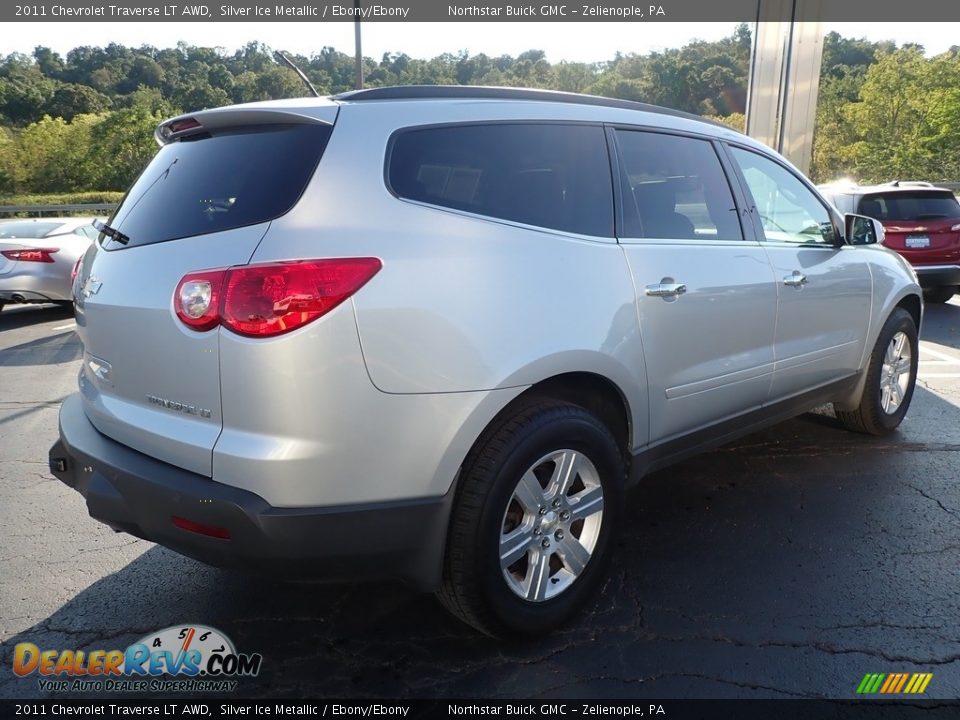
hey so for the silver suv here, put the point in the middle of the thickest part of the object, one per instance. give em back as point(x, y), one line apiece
point(434, 333)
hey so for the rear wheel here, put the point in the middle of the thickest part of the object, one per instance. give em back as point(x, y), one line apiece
point(891, 377)
point(940, 294)
point(537, 504)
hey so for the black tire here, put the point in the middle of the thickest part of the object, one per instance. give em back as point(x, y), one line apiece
point(475, 587)
point(939, 294)
point(870, 417)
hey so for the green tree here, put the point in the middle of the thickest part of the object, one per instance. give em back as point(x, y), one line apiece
point(70, 99)
point(120, 147)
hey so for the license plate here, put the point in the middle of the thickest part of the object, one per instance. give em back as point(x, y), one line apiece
point(918, 241)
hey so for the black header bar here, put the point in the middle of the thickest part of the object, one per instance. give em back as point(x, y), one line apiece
point(647, 11)
point(176, 707)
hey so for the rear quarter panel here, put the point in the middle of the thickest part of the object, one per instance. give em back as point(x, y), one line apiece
point(463, 304)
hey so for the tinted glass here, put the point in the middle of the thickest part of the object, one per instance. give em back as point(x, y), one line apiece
point(674, 187)
point(924, 205)
point(788, 210)
point(218, 181)
point(553, 176)
point(28, 229)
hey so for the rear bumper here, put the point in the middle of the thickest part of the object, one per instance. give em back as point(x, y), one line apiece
point(937, 275)
point(33, 286)
point(134, 493)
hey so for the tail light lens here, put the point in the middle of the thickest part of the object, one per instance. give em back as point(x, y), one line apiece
point(272, 298)
point(197, 299)
point(955, 228)
point(42, 255)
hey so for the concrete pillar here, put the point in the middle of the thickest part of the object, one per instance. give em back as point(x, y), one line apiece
point(785, 77)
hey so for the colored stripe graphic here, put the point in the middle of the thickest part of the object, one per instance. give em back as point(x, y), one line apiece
point(894, 683)
point(903, 681)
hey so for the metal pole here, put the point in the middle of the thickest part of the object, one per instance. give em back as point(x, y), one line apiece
point(358, 53)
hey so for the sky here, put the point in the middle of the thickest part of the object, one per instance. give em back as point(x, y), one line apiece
point(575, 42)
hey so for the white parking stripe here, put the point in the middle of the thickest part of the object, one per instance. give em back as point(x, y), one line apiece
point(949, 359)
point(66, 327)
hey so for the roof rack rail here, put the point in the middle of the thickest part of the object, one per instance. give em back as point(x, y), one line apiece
point(910, 183)
point(486, 92)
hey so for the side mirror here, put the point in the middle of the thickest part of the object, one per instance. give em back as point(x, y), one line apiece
point(862, 230)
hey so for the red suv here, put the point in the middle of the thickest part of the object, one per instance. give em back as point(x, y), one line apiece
point(922, 223)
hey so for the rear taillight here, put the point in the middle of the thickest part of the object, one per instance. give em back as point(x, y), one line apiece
point(197, 299)
point(42, 255)
point(272, 298)
point(955, 228)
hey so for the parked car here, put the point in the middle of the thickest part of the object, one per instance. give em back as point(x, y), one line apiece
point(434, 333)
point(38, 256)
point(921, 222)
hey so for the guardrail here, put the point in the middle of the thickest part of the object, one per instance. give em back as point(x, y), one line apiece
point(41, 210)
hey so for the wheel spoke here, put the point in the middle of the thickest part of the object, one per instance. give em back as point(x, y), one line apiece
point(564, 474)
point(575, 556)
point(896, 396)
point(885, 398)
point(899, 342)
point(529, 493)
point(586, 503)
point(539, 577)
point(514, 545)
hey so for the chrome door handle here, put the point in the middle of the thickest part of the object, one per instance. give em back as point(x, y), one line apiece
point(798, 279)
point(666, 290)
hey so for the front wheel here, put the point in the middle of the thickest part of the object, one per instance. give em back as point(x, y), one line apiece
point(891, 377)
point(536, 507)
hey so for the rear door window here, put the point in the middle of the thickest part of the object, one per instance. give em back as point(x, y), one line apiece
point(923, 205)
point(674, 187)
point(550, 175)
point(218, 181)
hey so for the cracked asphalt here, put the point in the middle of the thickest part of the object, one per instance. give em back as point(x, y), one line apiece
point(788, 564)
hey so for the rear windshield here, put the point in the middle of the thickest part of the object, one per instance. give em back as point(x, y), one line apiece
point(218, 181)
point(29, 229)
point(923, 205)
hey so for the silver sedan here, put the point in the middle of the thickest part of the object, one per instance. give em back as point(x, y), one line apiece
point(37, 258)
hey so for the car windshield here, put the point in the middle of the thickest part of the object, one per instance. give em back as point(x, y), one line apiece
point(28, 229)
point(923, 205)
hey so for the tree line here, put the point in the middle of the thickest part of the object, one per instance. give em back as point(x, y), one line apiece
point(85, 121)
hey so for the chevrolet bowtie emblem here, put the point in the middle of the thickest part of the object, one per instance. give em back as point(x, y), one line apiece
point(91, 286)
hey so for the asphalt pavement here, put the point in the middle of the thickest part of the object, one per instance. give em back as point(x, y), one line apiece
point(788, 564)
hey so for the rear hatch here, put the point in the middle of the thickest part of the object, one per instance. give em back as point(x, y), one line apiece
point(205, 201)
point(921, 225)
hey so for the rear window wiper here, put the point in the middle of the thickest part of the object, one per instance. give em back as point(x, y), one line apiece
point(111, 233)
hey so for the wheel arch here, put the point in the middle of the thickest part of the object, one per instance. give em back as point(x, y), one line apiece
point(910, 302)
